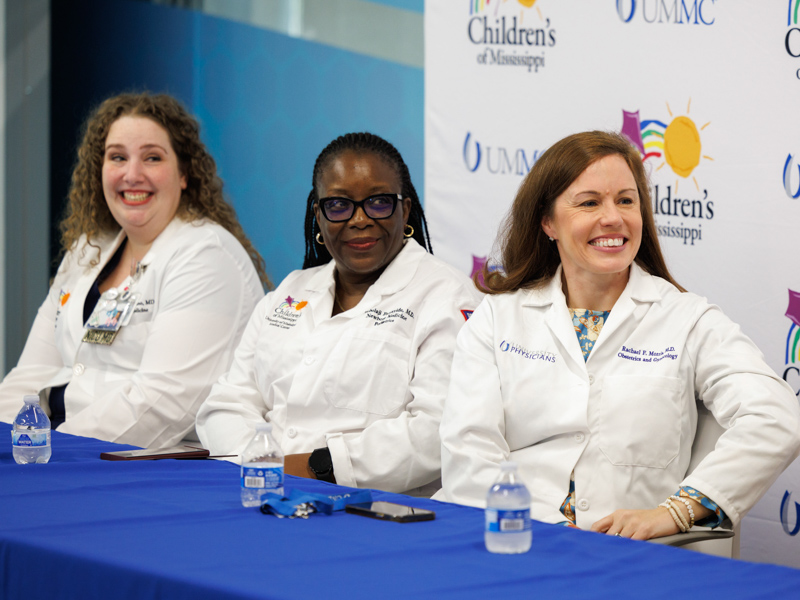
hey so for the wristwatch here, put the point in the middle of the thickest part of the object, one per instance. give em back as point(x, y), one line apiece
point(321, 465)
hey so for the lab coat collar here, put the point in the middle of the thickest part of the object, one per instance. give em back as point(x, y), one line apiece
point(394, 278)
point(641, 287)
point(171, 231)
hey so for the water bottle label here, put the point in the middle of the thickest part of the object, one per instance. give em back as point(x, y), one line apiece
point(508, 521)
point(28, 439)
point(262, 478)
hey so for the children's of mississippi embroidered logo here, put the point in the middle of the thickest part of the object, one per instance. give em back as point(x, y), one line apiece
point(63, 297)
point(287, 313)
point(292, 303)
point(522, 352)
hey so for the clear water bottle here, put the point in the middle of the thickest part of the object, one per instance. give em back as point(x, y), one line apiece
point(262, 467)
point(30, 433)
point(508, 513)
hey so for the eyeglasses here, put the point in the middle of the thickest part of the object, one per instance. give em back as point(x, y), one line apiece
point(379, 206)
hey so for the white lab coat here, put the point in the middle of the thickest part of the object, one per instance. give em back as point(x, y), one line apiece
point(197, 292)
point(370, 382)
point(623, 421)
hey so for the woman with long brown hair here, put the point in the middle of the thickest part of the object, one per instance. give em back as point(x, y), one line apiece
point(588, 365)
point(156, 283)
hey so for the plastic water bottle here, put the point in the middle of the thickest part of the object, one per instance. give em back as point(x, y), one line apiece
point(508, 513)
point(262, 467)
point(30, 434)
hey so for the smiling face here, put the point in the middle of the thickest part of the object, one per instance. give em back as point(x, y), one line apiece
point(142, 182)
point(362, 247)
point(597, 222)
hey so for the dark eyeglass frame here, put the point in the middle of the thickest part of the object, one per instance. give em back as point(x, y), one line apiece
point(359, 204)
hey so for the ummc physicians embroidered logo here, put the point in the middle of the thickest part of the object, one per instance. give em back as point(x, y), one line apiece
point(787, 497)
point(522, 352)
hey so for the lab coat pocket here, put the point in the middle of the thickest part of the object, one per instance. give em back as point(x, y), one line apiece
point(639, 420)
point(370, 372)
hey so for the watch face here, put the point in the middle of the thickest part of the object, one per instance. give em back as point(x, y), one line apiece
point(320, 461)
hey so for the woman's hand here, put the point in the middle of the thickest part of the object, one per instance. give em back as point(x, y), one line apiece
point(297, 465)
point(637, 524)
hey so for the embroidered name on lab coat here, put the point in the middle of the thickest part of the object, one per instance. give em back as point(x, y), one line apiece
point(643, 355)
point(144, 306)
point(382, 317)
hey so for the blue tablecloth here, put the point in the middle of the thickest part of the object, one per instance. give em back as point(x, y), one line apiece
point(80, 527)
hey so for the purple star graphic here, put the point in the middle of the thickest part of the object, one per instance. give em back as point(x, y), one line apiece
point(793, 310)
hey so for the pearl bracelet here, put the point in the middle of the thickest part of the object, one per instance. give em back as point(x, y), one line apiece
point(689, 506)
point(676, 515)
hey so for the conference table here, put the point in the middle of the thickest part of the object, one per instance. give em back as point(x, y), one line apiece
point(80, 527)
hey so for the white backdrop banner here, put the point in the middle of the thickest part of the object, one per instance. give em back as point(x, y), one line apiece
point(708, 90)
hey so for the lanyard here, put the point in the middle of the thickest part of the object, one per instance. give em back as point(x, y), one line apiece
point(302, 504)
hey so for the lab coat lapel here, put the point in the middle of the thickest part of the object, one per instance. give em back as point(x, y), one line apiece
point(320, 289)
point(76, 322)
point(395, 277)
point(557, 318)
point(629, 308)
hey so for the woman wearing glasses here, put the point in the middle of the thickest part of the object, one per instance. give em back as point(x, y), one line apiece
point(349, 358)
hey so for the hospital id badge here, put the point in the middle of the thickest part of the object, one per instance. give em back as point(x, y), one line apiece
point(112, 312)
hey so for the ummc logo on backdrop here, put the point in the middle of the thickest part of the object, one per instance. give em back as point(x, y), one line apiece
point(510, 32)
point(497, 160)
point(787, 498)
point(793, 191)
point(677, 145)
point(678, 12)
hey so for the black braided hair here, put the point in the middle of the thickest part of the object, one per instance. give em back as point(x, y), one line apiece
point(317, 254)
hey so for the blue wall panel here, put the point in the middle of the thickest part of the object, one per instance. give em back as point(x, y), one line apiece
point(267, 103)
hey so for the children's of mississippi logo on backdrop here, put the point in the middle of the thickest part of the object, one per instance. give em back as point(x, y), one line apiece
point(791, 372)
point(792, 190)
point(513, 33)
point(675, 144)
point(677, 12)
point(792, 40)
point(790, 519)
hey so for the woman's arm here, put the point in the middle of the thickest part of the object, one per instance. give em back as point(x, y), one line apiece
point(39, 363)
point(402, 453)
point(473, 423)
point(204, 302)
point(226, 420)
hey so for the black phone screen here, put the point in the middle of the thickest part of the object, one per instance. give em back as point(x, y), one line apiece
point(389, 511)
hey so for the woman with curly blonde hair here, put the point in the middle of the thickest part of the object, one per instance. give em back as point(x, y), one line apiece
point(156, 285)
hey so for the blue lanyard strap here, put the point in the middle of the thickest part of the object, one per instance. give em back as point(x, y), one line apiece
point(301, 504)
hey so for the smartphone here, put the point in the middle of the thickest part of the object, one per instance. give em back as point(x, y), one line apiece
point(157, 453)
point(389, 511)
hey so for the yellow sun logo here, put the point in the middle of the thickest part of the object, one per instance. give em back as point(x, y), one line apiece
point(682, 146)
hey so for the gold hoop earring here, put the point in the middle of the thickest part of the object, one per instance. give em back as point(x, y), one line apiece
point(319, 239)
point(408, 231)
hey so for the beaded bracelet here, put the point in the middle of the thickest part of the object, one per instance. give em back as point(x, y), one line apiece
point(676, 515)
point(689, 506)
